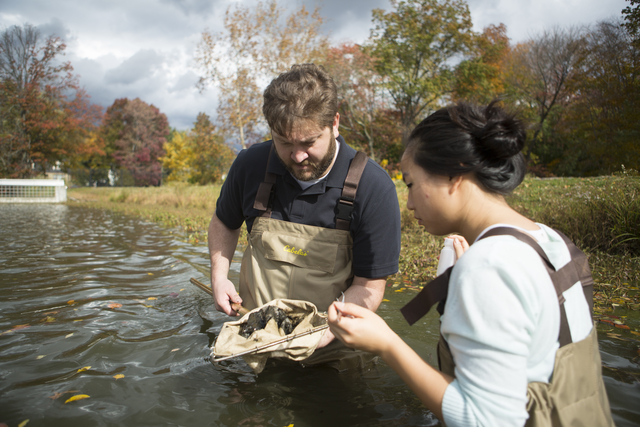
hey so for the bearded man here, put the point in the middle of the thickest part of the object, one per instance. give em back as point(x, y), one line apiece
point(322, 221)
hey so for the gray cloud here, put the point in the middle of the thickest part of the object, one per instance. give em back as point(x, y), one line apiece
point(55, 27)
point(145, 48)
point(139, 66)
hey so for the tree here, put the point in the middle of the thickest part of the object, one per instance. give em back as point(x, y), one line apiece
point(361, 96)
point(414, 46)
point(601, 130)
point(178, 157)
point(44, 115)
point(537, 74)
point(632, 18)
point(138, 132)
point(258, 43)
point(212, 157)
point(480, 79)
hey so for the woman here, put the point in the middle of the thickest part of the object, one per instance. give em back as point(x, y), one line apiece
point(502, 317)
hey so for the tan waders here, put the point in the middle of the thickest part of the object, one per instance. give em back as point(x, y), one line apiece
point(303, 262)
point(575, 396)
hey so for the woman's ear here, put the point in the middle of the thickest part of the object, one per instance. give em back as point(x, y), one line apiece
point(455, 183)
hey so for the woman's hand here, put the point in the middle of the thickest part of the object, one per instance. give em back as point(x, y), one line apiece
point(460, 244)
point(359, 327)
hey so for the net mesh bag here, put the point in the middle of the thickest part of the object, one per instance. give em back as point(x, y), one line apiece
point(303, 315)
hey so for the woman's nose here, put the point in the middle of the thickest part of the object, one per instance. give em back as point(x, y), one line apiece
point(410, 203)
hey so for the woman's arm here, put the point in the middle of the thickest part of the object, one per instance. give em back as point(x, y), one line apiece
point(360, 328)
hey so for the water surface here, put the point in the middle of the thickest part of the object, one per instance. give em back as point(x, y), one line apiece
point(99, 304)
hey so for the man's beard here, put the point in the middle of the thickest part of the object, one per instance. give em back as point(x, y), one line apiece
point(317, 169)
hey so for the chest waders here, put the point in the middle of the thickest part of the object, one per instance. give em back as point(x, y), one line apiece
point(575, 396)
point(302, 262)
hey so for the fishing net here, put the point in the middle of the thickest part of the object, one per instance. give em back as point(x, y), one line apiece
point(298, 327)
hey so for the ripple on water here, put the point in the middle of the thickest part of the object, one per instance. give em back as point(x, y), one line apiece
point(97, 303)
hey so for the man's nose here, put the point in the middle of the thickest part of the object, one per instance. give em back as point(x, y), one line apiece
point(299, 155)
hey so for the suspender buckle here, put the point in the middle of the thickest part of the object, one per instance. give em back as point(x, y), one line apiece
point(345, 207)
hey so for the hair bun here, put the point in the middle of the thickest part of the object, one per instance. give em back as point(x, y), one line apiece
point(502, 136)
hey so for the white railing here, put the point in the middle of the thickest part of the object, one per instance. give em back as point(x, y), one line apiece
point(32, 191)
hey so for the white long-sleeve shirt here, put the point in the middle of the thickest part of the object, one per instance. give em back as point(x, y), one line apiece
point(501, 322)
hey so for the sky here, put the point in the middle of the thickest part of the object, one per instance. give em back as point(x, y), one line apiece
point(145, 48)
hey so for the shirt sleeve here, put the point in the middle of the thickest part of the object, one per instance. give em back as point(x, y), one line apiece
point(490, 320)
point(376, 241)
point(229, 207)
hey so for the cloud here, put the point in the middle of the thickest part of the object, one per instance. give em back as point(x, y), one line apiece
point(145, 48)
point(55, 27)
point(141, 65)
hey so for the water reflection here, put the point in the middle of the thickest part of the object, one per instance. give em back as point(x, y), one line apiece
point(100, 304)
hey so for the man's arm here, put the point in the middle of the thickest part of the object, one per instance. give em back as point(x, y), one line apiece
point(365, 292)
point(222, 245)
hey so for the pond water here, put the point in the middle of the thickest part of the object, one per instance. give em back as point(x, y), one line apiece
point(98, 304)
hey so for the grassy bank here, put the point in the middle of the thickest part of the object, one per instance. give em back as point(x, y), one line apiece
point(602, 215)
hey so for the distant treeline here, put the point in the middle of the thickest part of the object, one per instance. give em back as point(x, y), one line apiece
point(577, 89)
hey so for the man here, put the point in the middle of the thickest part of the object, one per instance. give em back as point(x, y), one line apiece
point(307, 240)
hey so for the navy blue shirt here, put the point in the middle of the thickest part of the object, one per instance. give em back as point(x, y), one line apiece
point(375, 221)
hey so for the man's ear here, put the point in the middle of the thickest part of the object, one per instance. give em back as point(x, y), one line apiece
point(336, 125)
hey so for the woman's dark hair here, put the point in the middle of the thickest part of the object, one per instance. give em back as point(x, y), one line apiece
point(464, 138)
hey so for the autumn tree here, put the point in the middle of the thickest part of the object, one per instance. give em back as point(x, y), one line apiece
point(536, 75)
point(480, 78)
point(601, 130)
point(138, 132)
point(211, 156)
point(632, 18)
point(414, 46)
point(179, 157)
point(361, 96)
point(258, 43)
point(44, 116)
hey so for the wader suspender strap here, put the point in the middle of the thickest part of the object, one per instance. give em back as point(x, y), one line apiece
point(433, 292)
point(348, 197)
point(264, 197)
point(576, 269)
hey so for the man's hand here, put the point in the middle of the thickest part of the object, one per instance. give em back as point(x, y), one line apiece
point(224, 293)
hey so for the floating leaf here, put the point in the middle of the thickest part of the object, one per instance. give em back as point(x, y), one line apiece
point(67, 336)
point(70, 302)
point(41, 356)
point(150, 274)
point(49, 319)
point(118, 376)
point(62, 393)
point(385, 300)
point(622, 326)
point(175, 349)
point(24, 423)
point(114, 305)
point(15, 328)
point(174, 294)
point(77, 397)
point(152, 298)
point(86, 368)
